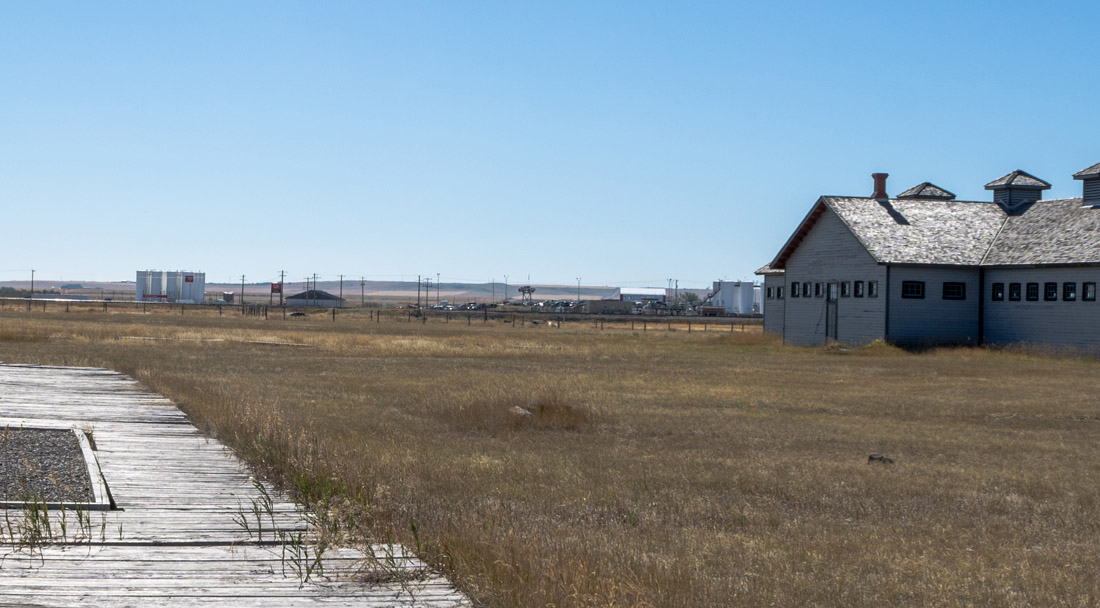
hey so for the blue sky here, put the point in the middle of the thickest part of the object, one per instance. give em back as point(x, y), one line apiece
point(621, 142)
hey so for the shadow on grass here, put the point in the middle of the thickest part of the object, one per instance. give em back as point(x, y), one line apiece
point(543, 413)
point(1023, 350)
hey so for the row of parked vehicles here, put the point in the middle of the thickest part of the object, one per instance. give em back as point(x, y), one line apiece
point(445, 305)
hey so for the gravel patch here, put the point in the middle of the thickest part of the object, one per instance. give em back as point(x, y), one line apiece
point(44, 463)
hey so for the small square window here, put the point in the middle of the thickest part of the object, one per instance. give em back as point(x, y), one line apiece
point(805, 290)
point(1050, 292)
point(1088, 292)
point(846, 289)
point(857, 289)
point(998, 292)
point(954, 291)
point(1032, 292)
point(872, 289)
point(778, 293)
point(818, 290)
point(912, 289)
point(1014, 292)
point(1069, 292)
point(794, 289)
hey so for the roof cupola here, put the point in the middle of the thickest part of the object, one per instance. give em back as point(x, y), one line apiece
point(1017, 190)
point(1091, 179)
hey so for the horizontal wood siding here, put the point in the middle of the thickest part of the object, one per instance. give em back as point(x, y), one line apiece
point(1012, 197)
point(1092, 192)
point(933, 320)
point(773, 308)
point(1075, 324)
point(830, 252)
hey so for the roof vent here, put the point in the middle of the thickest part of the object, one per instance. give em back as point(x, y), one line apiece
point(927, 191)
point(880, 185)
point(1091, 179)
point(1017, 190)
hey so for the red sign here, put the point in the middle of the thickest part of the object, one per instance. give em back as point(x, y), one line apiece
point(276, 288)
point(189, 278)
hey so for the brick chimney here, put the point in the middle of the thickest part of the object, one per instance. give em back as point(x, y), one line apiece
point(880, 185)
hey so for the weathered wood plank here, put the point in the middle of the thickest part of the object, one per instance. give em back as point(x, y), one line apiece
point(179, 492)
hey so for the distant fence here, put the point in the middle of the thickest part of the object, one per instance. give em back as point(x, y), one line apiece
point(520, 319)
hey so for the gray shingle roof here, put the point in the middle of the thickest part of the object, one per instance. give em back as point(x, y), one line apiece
point(926, 231)
point(1017, 179)
point(767, 269)
point(923, 226)
point(1059, 231)
point(961, 233)
point(927, 190)
point(1090, 173)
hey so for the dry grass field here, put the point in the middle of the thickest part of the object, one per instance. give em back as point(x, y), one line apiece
point(655, 469)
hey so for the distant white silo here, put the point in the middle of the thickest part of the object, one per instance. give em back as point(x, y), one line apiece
point(735, 296)
point(745, 293)
point(175, 286)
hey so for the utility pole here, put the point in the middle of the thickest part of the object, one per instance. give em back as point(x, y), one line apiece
point(493, 282)
point(315, 286)
point(505, 289)
point(341, 287)
point(427, 292)
point(418, 292)
point(32, 285)
point(437, 288)
point(282, 276)
point(242, 294)
point(362, 291)
point(578, 290)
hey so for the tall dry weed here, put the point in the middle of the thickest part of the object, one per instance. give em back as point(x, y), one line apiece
point(651, 469)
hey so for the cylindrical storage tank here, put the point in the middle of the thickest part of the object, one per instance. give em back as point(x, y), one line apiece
point(745, 299)
point(169, 286)
point(149, 286)
point(193, 287)
point(186, 289)
point(140, 286)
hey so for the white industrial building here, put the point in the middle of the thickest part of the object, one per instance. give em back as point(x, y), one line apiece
point(639, 294)
point(737, 297)
point(170, 286)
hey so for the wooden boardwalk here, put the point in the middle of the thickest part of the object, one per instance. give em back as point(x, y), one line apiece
point(173, 540)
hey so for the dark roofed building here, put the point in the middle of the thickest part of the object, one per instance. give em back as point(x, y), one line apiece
point(315, 297)
point(926, 268)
